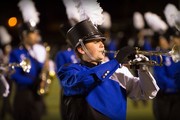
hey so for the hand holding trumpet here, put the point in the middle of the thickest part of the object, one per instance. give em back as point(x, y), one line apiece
point(4, 71)
point(24, 64)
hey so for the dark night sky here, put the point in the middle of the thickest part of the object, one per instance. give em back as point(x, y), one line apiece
point(52, 14)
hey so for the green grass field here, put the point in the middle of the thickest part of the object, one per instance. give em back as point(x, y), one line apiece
point(141, 112)
point(52, 102)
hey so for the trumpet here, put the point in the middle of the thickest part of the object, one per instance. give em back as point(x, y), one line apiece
point(174, 53)
point(25, 64)
point(4, 70)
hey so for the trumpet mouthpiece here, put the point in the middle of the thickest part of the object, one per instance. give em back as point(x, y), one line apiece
point(111, 52)
point(106, 51)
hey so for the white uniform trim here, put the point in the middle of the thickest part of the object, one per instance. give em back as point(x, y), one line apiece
point(142, 87)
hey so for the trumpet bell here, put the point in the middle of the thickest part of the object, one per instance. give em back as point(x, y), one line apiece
point(26, 65)
point(175, 53)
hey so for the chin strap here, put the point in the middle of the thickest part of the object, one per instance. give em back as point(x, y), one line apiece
point(85, 49)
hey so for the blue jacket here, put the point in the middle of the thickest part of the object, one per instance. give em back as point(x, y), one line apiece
point(64, 57)
point(168, 75)
point(101, 93)
point(22, 78)
point(112, 46)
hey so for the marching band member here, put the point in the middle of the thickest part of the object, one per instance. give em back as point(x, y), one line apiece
point(67, 54)
point(166, 104)
point(95, 91)
point(5, 81)
point(27, 103)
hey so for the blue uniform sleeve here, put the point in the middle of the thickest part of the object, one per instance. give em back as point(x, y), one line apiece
point(19, 76)
point(147, 45)
point(78, 80)
point(162, 79)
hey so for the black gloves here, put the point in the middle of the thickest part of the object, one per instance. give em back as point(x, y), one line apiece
point(128, 55)
point(125, 54)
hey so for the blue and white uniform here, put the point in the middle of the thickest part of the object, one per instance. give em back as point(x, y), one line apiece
point(167, 75)
point(103, 88)
point(166, 105)
point(26, 101)
point(64, 57)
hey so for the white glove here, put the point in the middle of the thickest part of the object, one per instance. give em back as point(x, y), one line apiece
point(140, 59)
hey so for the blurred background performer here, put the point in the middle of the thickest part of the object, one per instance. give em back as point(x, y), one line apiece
point(159, 28)
point(5, 45)
point(27, 103)
point(141, 35)
point(137, 39)
point(67, 54)
point(172, 15)
point(111, 43)
point(166, 104)
point(141, 39)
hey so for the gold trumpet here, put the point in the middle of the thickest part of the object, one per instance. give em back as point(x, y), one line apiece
point(174, 53)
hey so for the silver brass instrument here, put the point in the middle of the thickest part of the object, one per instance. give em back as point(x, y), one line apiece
point(174, 53)
point(4, 70)
point(112, 52)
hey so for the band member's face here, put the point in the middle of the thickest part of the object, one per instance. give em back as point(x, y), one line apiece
point(32, 38)
point(7, 49)
point(164, 43)
point(96, 49)
point(176, 41)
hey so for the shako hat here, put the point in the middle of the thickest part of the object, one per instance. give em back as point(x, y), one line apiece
point(85, 31)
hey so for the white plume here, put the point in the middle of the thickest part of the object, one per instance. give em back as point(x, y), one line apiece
point(5, 37)
point(71, 11)
point(155, 22)
point(171, 14)
point(28, 10)
point(138, 20)
point(177, 22)
point(107, 20)
point(90, 9)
